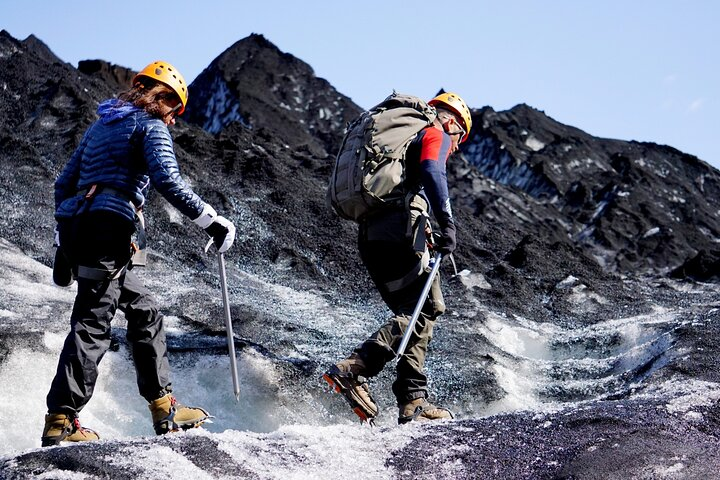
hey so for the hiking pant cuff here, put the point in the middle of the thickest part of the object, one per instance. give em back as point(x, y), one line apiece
point(410, 397)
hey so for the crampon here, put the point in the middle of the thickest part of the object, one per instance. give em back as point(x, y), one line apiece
point(355, 390)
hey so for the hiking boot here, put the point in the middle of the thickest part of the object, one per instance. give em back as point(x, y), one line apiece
point(345, 378)
point(170, 416)
point(65, 428)
point(353, 364)
point(421, 410)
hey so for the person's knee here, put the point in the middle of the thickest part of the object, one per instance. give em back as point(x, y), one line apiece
point(143, 311)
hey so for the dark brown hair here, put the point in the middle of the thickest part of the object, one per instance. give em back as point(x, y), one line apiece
point(148, 95)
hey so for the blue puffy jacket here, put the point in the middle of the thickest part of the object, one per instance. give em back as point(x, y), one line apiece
point(125, 150)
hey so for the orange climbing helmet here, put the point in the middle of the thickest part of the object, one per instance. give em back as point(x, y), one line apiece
point(456, 105)
point(170, 76)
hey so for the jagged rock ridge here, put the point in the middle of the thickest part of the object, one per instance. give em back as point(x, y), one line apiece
point(633, 206)
point(257, 85)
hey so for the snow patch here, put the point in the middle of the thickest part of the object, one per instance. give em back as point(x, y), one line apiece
point(174, 215)
point(472, 280)
point(163, 461)
point(651, 232)
point(534, 144)
point(687, 394)
point(567, 282)
point(585, 299)
point(48, 122)
point(360, 449)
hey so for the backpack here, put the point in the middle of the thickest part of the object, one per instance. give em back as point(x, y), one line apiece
point(369, 172)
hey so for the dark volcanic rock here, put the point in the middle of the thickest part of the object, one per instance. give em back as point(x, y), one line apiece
point(637, 441)
point(633, 206)
point(46, 106)
point(116, 77)
point(703, 267)
point(255, 84)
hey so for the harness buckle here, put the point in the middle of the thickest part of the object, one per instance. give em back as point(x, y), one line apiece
point(91, 192)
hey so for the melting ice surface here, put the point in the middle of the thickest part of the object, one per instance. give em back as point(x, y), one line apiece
point(539, 366)
point(39, 313)
point(269, 414)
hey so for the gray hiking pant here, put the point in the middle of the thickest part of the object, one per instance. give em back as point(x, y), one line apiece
point(389, 254)
point(102, 240)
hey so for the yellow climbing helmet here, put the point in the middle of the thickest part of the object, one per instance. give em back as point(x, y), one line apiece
point(456, 105)
point(167, 74)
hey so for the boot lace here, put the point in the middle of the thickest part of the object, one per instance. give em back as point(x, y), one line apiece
point(78, 427)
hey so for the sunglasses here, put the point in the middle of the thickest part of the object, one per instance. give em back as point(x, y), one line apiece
point(177, 107)
point(462, 131)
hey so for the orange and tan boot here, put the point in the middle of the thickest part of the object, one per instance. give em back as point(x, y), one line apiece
point(170, 416)
point(346, 378)
point(421, 410)
point(60, 427)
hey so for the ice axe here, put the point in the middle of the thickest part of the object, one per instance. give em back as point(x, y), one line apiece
point(418, 308)
point(228, 322)
point(463, 273)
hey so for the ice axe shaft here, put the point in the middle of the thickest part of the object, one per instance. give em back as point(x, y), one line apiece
point(228, 326)
point(418, 308)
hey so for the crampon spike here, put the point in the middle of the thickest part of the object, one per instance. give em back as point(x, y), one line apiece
point(332, 384)
point(357, 410)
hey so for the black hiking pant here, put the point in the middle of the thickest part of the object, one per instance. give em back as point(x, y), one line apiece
point(389, 254)
point(102, 241)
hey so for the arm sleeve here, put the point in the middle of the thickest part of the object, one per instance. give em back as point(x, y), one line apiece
point(66, 183)
point(434, 152)
point(164, 171)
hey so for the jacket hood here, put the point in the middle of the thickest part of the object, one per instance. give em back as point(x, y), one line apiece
point(114, 109)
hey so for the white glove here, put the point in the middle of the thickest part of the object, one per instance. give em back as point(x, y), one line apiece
point(205, 218)
point(222, 232)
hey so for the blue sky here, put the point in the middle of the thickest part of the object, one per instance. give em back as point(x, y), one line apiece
point(632, 69)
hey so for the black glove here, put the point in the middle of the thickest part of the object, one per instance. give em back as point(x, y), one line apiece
point(446, 243)
point(62, 270)
point(222, 232)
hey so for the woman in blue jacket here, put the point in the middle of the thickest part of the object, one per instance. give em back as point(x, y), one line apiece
point(99, 198)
